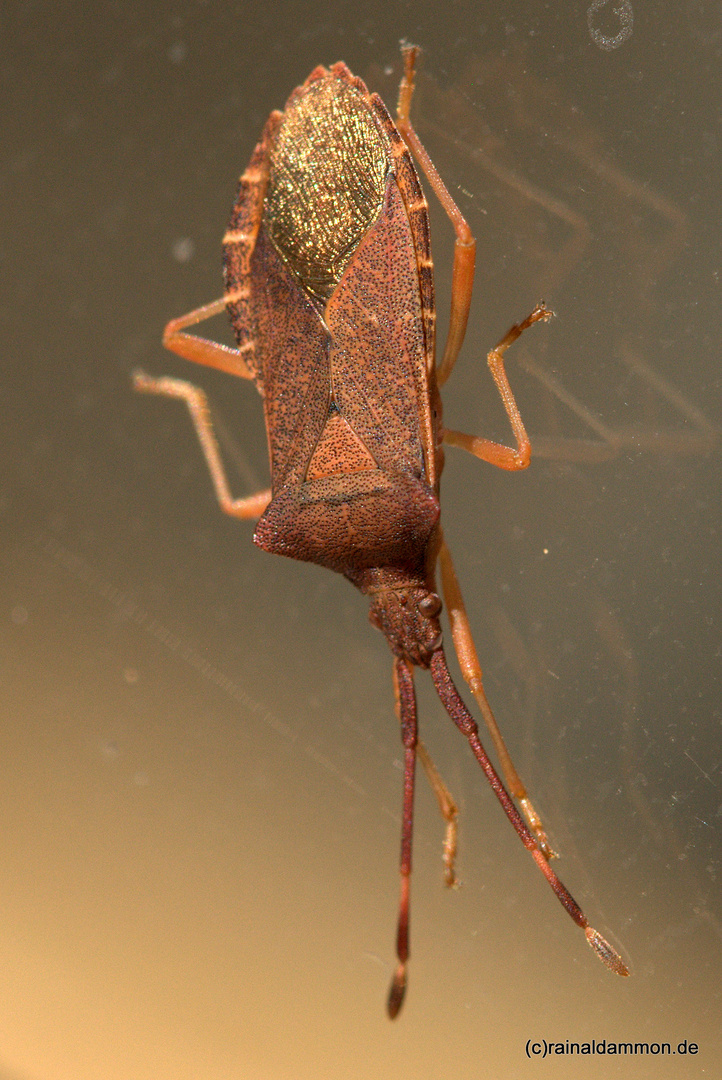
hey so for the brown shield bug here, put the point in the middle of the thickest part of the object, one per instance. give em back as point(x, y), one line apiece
point(329, 287)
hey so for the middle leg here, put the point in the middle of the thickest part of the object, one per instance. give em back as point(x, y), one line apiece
point(249, 506)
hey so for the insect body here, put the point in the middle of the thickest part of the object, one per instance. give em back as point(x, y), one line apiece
point(329, 287)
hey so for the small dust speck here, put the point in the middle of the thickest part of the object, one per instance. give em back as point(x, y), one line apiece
point(19, 615)
point(183, 249)
point(177, 52)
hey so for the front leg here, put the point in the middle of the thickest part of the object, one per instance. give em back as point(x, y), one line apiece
point(471, 670)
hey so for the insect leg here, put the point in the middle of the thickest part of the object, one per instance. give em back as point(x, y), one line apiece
point(465, 245)
point(449, 812)
point(461, 288)
point(202, 351)
point(406, 712)
point(505, 457)
point(471, 670)
point(463, 719)
point(250, 506)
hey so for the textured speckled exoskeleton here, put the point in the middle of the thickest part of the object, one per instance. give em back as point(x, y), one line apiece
point(329, 287)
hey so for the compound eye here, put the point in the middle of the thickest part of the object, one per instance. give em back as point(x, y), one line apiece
point(430, 606)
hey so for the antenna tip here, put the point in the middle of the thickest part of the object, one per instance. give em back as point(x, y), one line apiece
point(605, 952)
point(396, 992)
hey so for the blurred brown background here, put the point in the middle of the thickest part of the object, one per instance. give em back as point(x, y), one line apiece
point(200, 764)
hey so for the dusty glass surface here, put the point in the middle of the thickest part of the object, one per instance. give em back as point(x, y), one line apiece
point(201, 770)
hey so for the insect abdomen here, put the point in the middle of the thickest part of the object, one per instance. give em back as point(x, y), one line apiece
point(328, 176)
